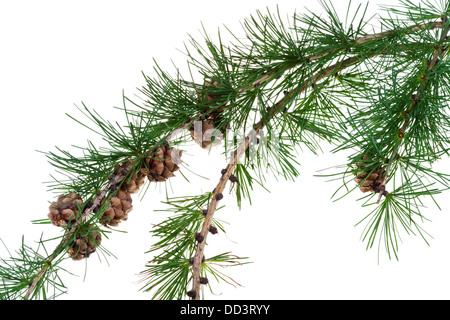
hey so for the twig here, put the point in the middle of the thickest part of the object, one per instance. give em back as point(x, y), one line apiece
point(431, 65)
point(237, 155)
point(216, 196)
point(268, 76)
point(360, 40)
point(117, 179)
point(370, 37)
point(199, 254)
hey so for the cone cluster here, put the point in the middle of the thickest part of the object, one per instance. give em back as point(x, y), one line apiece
point(118, 207)
point(85, 243)
point(159, 166)
point(369, 180)
point(64, 211)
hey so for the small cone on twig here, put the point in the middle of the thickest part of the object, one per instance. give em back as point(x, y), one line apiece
point(119, 205)
point(161, 164)
point(369, 179)
point(65, 210)
point(205, 131)
point(117, 208)
point(133, 182)
point(85, 243)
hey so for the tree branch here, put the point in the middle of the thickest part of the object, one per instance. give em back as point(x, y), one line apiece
point(416, 100)
point(217, 194)
point(96, 202)
point(360, 40)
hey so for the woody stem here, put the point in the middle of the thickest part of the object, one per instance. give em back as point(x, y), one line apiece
point(420, 92)
point(96, 202)
point(359, 41)
point(216, 196)
point(271, 112)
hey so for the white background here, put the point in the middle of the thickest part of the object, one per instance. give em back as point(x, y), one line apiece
point(54, 54)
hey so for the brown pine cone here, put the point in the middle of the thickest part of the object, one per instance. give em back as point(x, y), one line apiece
point(117, 209)
point(203, 138)
point(65, 209)
point(162, 164)
point(213, 118)
point(133, 183)
point(85, 243)
point(369, 179)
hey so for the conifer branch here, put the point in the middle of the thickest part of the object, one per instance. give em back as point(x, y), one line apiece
point(115, 179)
point(176, 104)
point(416, 98)
point(237, 154)
point(217, 193)
point(35, 281)
point(359, 41)
point(415, 28)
